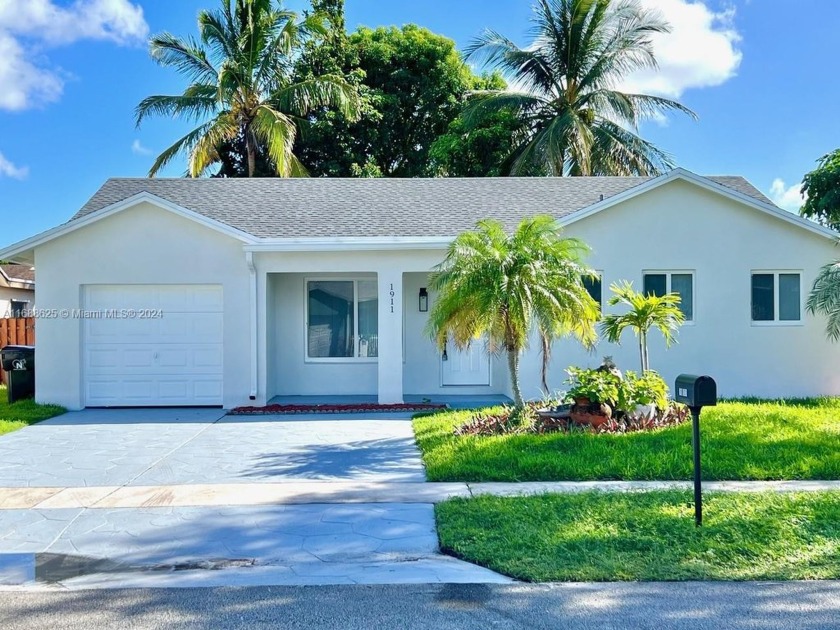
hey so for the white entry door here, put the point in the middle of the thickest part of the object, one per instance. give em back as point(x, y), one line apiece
point(467, 367)
point(153, 346)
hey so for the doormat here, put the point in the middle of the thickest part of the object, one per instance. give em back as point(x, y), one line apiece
point(357, 408)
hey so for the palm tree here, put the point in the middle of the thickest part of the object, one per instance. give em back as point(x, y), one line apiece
point(241, 87)
point(499, 286)
point(574, 120)
point(645, 312)
point(825, 298)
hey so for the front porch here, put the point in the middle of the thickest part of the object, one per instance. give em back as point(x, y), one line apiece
point(350, 327)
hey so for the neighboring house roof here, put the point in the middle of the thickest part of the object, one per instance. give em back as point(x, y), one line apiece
point(327, 208)
point(18, 275)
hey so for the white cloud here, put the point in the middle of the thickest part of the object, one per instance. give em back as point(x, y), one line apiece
point(7, 169)
point(789, 198)
point(138, 149)
point(22, 83)
point(700, 51)
point(28, 28)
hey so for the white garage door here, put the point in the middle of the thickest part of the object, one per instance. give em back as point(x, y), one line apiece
point(135, 357)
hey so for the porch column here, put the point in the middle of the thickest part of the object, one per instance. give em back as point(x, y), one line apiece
point(390, 336)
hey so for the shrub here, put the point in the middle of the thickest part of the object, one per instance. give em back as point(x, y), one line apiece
point(620, 393)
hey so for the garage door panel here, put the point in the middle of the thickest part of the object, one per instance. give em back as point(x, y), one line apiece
point(135, 358)
point(200, 299)
point(176, 359)
point(198, 327)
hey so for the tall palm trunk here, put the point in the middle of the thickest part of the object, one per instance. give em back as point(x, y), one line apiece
point(643, 350)
point(513, 366)
point(251, 150)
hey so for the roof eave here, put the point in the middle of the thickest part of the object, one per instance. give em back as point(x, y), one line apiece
point(23, 252)
point(708, 184)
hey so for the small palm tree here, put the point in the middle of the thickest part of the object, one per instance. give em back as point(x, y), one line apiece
point(574, 120)
point(825, 298)
point(645, 312)
point(499, 286)
point(240, 78)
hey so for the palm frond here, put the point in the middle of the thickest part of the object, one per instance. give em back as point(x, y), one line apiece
point(198, 101)
point(185, 55)
point(332, 91)
point(824, 298)
point(184, 145)
point(277, 132)
point(205, 152)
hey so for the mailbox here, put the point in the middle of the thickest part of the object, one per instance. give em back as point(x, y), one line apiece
point(696, 391)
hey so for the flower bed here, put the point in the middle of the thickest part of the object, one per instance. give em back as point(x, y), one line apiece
point(357, 408)
point(500, 423)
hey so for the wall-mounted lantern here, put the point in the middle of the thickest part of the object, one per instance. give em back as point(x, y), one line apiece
point(424, 300)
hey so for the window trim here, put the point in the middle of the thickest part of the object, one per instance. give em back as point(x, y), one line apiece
point(668, 273)
point(355, 279)
point(776, 322)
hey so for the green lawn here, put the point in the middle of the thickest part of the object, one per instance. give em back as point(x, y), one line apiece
point(741, 440)
point(23, 413)
point(647, 536)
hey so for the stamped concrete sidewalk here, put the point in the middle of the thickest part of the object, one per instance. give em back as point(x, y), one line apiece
point(309, 492)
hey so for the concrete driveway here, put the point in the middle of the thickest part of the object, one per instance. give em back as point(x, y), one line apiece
point(203, 446)
point(103, 452)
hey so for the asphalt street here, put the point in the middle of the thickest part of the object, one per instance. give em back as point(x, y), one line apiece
point(712, 606)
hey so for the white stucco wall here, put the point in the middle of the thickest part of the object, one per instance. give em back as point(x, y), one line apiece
point(680, 226)
point(142, 245)
point(677, 227)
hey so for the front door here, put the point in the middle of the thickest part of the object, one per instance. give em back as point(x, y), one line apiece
point(467, 367)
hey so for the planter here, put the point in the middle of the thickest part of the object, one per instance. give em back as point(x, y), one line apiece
point(560, 412)
point(594, 415)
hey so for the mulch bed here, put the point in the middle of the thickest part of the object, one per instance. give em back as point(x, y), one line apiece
point(359, 408)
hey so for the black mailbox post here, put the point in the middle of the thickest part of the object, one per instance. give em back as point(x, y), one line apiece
point(19, 364)
point(696, 392)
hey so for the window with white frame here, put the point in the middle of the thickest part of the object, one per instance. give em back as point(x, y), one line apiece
point(342, 320)
point(776, 296)
point(661, 283)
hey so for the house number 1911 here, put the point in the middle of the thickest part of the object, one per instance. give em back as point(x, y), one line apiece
point(392, 294)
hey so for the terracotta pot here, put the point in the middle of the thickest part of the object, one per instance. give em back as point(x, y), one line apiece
point(594, 420)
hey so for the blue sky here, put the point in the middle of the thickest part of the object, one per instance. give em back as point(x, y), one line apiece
point(759, 73)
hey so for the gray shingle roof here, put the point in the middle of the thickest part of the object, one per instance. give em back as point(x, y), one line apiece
point(290, 208)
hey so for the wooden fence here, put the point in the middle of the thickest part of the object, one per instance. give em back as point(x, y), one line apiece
point(16, 332)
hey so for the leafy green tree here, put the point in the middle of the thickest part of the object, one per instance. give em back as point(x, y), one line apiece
point(241, 87)
point(500, 286)
point(577, 122)
point(412, 85)
point(824, 298)
point(822, 185)
point(644, 313)
point(477, 148)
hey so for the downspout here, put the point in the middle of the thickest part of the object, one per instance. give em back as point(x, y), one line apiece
point(252, 269)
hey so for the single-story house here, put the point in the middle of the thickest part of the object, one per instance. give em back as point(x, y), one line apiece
point(17, 290)
point(231, 292)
